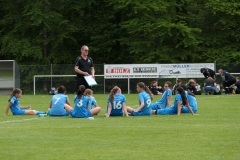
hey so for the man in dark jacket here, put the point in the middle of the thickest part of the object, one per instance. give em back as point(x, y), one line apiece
point(227, 79)
point(207, 72)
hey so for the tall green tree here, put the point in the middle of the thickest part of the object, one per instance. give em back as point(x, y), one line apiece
point(158, 31)
point(120, 31)
point(221, 31)
point(103, 27)
point(41, 31)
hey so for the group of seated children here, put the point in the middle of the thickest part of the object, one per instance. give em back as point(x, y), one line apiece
point(209, 87)
point(59, 105)
point(83, 101)
point(184, 102)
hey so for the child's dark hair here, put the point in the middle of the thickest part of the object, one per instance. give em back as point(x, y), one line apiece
point(179, 80)
point(80, 92)
point(189, 92)
point(15, 91)
point(183, 95)
point(183, 86)
point(61, 89)
point(142, 85)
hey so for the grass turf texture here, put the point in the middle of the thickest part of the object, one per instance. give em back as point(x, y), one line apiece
point(213, 134)
point(6, 74)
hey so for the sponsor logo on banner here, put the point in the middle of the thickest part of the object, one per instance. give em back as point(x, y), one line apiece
point(144, 69)
point(117, 70)
point(195, 65)
point(184, 70)
point(181, 66)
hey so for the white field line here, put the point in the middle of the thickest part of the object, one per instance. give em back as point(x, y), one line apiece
point(21, 120)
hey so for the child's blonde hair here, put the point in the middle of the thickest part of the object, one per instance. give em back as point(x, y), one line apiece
point(112, 92)
point(88, 92)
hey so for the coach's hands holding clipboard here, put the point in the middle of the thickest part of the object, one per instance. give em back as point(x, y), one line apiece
point(90, 80)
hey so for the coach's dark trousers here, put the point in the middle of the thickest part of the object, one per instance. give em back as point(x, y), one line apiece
point(81, 81)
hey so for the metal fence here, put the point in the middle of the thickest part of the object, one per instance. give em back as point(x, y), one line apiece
point(43, 84)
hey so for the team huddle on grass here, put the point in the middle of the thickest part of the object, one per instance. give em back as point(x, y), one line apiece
point(85, 104)
point(184, 102)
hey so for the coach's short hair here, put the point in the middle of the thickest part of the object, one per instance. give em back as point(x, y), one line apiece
point(83, 47)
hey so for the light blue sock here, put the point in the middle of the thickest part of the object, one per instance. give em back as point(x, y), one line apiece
point(40, 112)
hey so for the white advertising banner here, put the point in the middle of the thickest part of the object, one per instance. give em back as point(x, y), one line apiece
point(186, 70)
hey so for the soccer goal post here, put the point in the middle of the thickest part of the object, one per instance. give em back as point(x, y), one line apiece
point(9, 76)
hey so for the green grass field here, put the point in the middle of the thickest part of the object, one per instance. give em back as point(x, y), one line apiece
point(212, 134)
point(6, 74)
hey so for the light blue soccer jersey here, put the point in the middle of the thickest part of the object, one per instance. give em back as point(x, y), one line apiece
point(58, 102)
point(186, 93)
point(92, 102)
point(146, 110)
point(163, 102)
point(117, 105)
point(80, 109)
point(173, 109)
point(193, 104)
point(14, 105)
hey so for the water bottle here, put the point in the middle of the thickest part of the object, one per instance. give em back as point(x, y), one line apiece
point(91, 118)
point(42, 115)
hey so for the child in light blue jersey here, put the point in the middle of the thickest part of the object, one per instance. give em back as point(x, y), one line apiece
point(56, 107)
point(192, 102)
point(179, 101)
point(145, 98)
point(165, 101)
point(14, 105)
point(116, 103)
point(81, 103)
point(92, 101)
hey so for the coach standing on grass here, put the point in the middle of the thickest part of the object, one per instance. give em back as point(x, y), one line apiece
point(84, 67)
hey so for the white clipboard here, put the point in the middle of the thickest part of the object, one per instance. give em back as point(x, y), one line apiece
point(90, 80)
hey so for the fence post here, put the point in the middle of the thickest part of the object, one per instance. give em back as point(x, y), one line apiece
point(51, 75)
